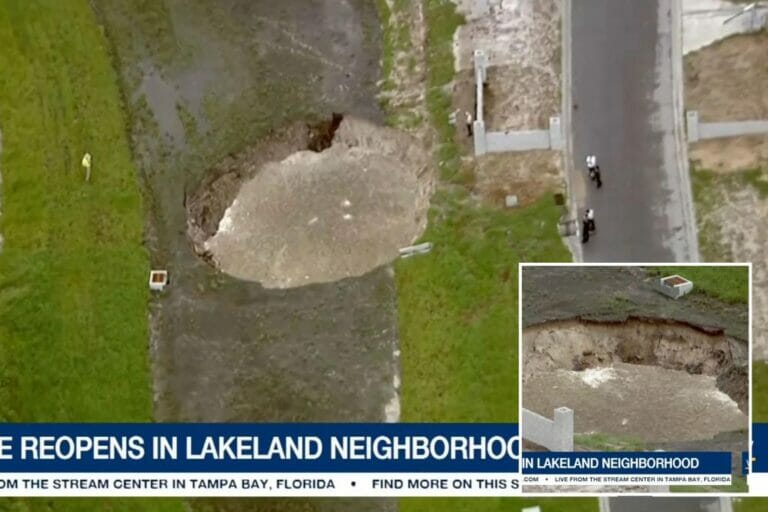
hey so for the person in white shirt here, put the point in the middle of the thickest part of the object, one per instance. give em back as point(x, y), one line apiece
point(594, 170)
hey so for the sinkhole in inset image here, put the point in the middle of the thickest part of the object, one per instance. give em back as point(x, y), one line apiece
point(654, 380)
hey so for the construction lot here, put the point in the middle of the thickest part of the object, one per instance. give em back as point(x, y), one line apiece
point(723, 82)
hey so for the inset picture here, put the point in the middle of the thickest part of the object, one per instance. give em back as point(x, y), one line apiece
point(620, 358)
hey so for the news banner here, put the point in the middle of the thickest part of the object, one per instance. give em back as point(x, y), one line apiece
point(330, 459)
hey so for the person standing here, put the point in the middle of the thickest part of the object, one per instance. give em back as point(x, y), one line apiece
point(594, 170)
point(597, 179)
point(589, 216)
point(469, 123)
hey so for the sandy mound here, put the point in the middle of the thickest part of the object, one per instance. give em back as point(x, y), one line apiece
point(322, 216)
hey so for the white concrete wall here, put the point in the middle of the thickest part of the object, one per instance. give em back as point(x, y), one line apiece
point(703, 21)
point(555, 434)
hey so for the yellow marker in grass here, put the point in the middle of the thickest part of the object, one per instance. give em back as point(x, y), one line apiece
point(87, 165)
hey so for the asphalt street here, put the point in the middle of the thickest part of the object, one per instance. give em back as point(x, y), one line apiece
point(626, 108)
point(623, 93)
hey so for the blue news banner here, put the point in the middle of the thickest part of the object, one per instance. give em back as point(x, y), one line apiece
point(277, 460)
point(317, 460)
point(756, 466)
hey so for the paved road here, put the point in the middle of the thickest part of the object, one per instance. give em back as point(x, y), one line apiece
point(623, 91)
point(636, 504)
point(625, 111)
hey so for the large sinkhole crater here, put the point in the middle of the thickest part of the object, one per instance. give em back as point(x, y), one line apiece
point(315, 203)
point(655, 380)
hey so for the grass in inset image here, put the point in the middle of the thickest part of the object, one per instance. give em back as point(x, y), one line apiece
point(750, 504)
point(729, 284)
point(759, 389)
point(605, 442)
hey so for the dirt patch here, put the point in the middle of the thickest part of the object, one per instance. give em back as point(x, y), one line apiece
point(527, 175)
point(726, 82)
point(522, 41)
point(339, 209)
point(730, 154)
point(742, 230)
point(673, 281)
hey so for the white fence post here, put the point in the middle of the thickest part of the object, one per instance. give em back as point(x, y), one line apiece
point(555, 434)
point(562, 430)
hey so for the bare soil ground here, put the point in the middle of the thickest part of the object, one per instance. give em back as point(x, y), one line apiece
point(522, 41)
point(726, 82)
point(527, 175)
point(204, 80)
point(739, 220)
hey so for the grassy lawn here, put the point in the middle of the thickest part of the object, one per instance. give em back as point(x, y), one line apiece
point(708, 193)
point(609, 443)
point(73, 335)
point(760, 391)
point(729, 284)
point(458, 305)
point(458, 311)
point(750, 504)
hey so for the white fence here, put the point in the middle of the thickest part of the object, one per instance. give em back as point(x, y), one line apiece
point(698, 130)
point(555, 435)
point(510, 140)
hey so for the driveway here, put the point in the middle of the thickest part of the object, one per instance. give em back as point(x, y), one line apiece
point(627, 111)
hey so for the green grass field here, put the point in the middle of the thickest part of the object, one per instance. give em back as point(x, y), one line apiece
point(729, 284)
point(458, 311)
point(457, 306)
point(73, 272)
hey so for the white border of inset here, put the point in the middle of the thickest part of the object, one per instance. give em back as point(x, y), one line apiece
point(520, 267)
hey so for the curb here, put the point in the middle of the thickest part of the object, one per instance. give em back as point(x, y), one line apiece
point(572, 242)
point(684, 176)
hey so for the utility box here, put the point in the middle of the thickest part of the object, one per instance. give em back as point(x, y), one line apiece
point(158, 279)
point(674, 286)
